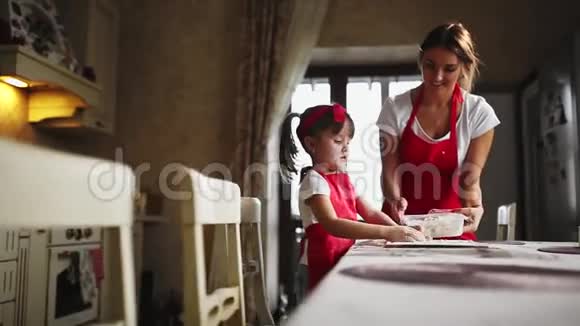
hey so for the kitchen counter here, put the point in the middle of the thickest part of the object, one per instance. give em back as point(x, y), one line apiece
point(471, 284)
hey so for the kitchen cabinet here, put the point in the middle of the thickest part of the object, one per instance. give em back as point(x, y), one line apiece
point(8, 280)
point(8, 244)
point(92, 27)
point(8, 275)
point(14, 262)
point(23, 264)
point(36, 284)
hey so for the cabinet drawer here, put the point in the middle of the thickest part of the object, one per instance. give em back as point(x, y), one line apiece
point(8, 281)
point(8, 244)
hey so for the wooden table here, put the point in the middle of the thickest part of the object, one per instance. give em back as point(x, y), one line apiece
point(343, 299)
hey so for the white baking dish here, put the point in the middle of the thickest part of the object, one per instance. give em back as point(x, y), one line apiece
point(437, 225)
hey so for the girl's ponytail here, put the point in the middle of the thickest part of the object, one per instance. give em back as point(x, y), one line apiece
point(304, 171)
point(288, 148)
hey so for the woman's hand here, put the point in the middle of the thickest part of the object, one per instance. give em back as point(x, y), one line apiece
point(395, 208)
point(472, 217)
point(403, 234)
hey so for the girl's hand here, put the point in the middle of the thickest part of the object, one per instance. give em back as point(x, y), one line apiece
point(403, 234)
point(473, 217)
point(395, 208)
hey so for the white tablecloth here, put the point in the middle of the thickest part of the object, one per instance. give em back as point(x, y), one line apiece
point(341, 299)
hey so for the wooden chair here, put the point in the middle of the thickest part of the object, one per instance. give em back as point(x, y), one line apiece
point(43, 188)
point(211, 202)
point(253, 263)
point(506, 222)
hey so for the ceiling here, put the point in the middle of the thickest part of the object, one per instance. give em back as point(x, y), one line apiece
point(512, 37)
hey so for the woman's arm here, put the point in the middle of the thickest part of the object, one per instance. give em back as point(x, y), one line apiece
point(340, 227)
point(372, 215)
point(472, 167)
point(394, 204)
point(470, 186)
point(390, 161)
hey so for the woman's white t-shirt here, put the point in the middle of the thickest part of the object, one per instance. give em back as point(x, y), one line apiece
point(476, 118)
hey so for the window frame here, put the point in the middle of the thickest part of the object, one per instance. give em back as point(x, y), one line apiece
point(338, 76)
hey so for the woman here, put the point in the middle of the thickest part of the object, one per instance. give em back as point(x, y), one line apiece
point(435, 139)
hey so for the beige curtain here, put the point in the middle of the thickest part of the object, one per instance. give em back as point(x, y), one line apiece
point(278, 39)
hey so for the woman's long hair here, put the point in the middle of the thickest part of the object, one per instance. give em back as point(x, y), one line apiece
point(457, 39)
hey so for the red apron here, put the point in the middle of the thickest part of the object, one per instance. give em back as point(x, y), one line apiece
point(431, 180)
point(325, 250)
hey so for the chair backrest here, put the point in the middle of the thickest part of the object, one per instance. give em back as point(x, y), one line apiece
point(252, 256)
point(251, 210)
point(44, 188)
point(39, 183)
point(214, 202)
point(506, 221)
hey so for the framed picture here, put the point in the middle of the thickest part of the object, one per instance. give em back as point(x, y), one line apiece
point(36, 25)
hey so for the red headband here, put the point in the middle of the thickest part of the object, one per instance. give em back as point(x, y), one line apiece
point(306, 123)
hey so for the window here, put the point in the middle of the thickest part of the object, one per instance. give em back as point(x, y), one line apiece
point(364, 97)
point(364, 102)
point(399, 87)
point(310, 93)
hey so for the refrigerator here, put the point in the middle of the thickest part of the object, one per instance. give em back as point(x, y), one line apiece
point(550, 191)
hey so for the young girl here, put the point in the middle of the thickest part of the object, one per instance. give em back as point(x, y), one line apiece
point(328, 203)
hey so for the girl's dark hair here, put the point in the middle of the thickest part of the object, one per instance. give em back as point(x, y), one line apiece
point(457, 39)
point(288, 148)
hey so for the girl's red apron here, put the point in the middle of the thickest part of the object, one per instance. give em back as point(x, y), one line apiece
point(324, 250)
point(430, 180)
